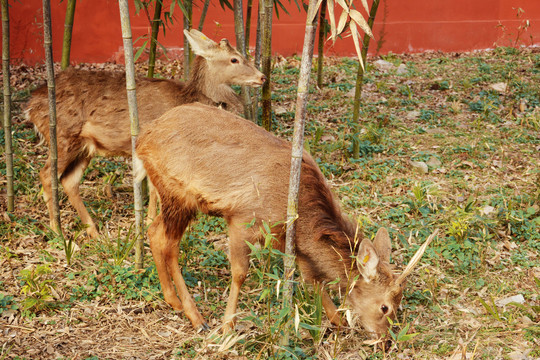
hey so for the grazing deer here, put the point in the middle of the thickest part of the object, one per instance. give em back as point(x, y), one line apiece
point(92, 111)
point(241, 173)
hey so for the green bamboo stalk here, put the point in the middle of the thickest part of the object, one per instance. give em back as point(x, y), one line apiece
point(360, 80)
point(248, 23)
point(203, 14)
point(68, 31)
point(53, 149)
point(266, 98)
point(188, 55)
point(153, 40)
point(241, 47)
point(134, 118)
point(258, 35)
point(7, 106)
point(296, 156)
point(257, 61)
point(322, 35)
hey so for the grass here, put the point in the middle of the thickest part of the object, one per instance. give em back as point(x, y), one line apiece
point(482, 192)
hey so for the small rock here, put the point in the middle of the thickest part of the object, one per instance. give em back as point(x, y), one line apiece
point(280, 110)
point(411, 115)
point(328, 138)
point(434, 162)
point(500, 87)
point(164, 333)
point(518, 355)
point(401, 69)
point(383, 65)
point(516, 298)
point(525, 321)
point(419, 166)
point(486, 210)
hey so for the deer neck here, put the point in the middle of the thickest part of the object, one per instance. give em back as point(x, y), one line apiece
point(203, 86)
point(325, 238)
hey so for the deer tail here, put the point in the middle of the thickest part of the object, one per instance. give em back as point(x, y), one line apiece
point(36, 130)
point(139, 172)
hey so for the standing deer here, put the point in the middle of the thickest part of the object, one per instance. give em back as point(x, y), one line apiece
point(92, 111)
point(241, 173)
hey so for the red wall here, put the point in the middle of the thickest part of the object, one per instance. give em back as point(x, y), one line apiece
point(401, 26)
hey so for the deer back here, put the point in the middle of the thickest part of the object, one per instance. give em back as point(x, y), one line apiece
point(92, 109)
point(241, 171)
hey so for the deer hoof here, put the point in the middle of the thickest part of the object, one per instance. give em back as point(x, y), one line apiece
point(92, 232)
point(203, 328)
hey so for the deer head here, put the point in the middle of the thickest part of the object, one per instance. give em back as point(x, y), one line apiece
point(225, 64)
point(378, 291)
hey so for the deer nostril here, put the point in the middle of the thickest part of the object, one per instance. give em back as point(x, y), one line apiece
point(263, 78)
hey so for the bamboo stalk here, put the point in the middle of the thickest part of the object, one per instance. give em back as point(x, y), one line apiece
point(203, 14)
point(68, 31)
point(53, 149)
point(266, 97)
point(257, 60)
point(296, 155)
point(134, 119)
point(320, 52)
point(187, 16)
point(258, 35)
point(248, 24)
point(360, 80)
point(153, 40)
point(241, 47)
point(7, 106)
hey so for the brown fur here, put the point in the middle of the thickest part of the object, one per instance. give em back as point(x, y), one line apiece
point(241, 172)
point(93, 114)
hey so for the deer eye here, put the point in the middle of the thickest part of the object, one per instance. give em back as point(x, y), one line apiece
point(384, 309)
point(234, 60)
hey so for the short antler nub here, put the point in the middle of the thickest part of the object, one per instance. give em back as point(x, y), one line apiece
point(415, 259)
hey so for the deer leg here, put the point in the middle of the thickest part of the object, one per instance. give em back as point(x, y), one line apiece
point(331, 309)
point(165, 252)
point(239, 259)
point(70, 181)
point(45, 177)
point(152, 203)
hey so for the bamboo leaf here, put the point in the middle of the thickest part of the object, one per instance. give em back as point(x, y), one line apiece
point(276, 3)
point(331, 16)
point(314, 13)
point(365, 5)
point(296, 318)
point(140, 51)
point(342, 21)
point(356, 41)
point(360, 21)
point(343, 4)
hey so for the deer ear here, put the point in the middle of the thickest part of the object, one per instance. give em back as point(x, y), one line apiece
point(225, 45)
point(383, 245)
point(367, 260)
point(200, 43)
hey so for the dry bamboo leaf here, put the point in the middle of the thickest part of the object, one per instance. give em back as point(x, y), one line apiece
point(356, 40)
point(343, 4)
point(331, 16)
point(360, 21)
point(312, 16)
point(342, 22)
point(365, 5)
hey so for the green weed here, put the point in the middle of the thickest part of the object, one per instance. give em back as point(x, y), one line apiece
point(37, 289)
